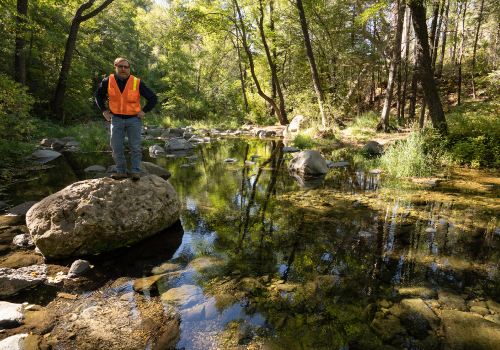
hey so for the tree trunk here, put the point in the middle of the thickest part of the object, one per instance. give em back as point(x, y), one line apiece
point(252, 66)
point(475, 47)
point(20, 53)
point(439, 72)
point(461, 55)
point(395, 62)
point(272, 65)
point(312, 63)
point(421, 119)
point(355, 86)
point(414, 86)
point(424, 58)
point(68, 53)
point(406, 54)
point(436, 40)
point(242, 79)
point(457, 17)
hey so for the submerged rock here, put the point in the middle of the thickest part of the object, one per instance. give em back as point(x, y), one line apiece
point(93, 216)
point(45, 156)
point(308, 162)
point(21, 209)
point(464, 330)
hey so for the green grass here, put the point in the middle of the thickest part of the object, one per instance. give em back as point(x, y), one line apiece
point(407, 158)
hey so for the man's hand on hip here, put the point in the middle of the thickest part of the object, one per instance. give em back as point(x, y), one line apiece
point(141, 115)
point(108, 115)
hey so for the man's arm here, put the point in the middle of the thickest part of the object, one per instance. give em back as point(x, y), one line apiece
point(148, 95)
point(100, 94)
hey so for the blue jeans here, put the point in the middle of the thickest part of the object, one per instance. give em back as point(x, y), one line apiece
point(133, 128)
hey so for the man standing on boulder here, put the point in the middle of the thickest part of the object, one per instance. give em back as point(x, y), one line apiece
point(125, 114)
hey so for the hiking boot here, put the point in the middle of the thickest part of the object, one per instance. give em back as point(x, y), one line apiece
point(136, 176)
point(119, 176)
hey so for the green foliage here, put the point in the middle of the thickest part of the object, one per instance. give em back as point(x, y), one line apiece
point(92, 136)
point(407, 157)
point(473, 134)
point(16, 123)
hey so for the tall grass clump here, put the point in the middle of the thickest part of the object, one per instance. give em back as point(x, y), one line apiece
point(407, 158)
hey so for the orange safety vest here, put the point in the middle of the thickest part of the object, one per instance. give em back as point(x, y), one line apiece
point(126, 102)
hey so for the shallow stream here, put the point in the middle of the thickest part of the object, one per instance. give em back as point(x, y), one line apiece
point(261, 260)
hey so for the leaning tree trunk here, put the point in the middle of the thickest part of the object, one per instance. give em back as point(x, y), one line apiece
point(68, 53)
point(312, 62)
point(252, 66)
point(455, 34)
point(422, 45)
point(438, 35)
point(475, 47)
point(272, 65)
point(461, 55)
point(20, 53)
point(395, 62)
point(242, 79)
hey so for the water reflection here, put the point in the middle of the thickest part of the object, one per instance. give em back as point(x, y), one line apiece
point(266, 258)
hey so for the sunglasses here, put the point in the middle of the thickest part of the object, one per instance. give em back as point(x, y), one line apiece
point(122, 67)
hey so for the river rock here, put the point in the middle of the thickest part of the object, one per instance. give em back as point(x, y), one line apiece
point(57, 145)
point(196, 139)
point(4, 207)
point(168, 135)
point(493, 306)
point(21, 209)
point(67, 139)
point(94, 169)
point(388, 328)
point(308, 162)
point(78, 268)
point(419, 291)
point(15, 342)
point(44, 155)
point(93, 216)
point(497, 231)
point(48, 141)
point(294, 127)
point(178, 145)
point(156, 151)
point(451, 300)
point(167, 267)
point(418, 317)
point(14, 280)
point(178, 131)
point(11, 314)
point(231, 160)
point(23, 240)
point(148, 168)
point(72, 144)
point(373, 148)
point(339, 165)
point(464, 330)
point(290, 150)
point(185, 295)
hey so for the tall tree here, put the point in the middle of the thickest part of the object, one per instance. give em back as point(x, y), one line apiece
point(252, 65)
point(272, 64)
point(439, 72)
point(461, 55)
point(312, 62)
point(20, 53)
point(479, 20)
point(418, 12)
point(68, 53)
point(395, 62)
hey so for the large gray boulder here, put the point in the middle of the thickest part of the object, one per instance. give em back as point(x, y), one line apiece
point(44, 155)
point(308, 162)
point(14, 280)
point(294, 127)
point(15, 342)
point(178, 145)
point(94, 216)
point(373, 148)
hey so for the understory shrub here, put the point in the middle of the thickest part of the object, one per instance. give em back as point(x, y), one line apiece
point(474, 130)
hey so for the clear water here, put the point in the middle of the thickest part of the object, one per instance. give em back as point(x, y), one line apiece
point(281, 263)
